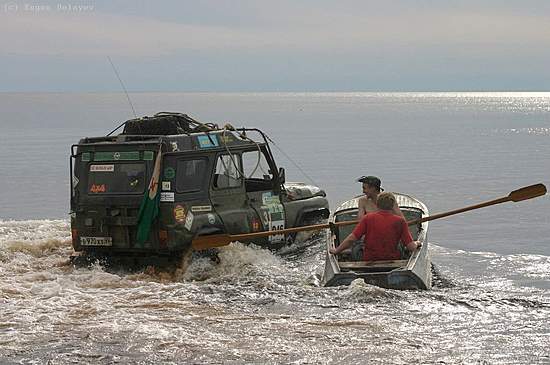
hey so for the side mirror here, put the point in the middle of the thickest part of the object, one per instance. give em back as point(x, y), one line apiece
point(281, 175)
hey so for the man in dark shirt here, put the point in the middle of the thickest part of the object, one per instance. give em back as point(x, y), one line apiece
point(383, 230)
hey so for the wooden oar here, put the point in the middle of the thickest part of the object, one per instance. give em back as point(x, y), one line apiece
point(218, 240)
point(525, 193)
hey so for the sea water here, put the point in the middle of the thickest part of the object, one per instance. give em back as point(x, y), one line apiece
point(491, 302)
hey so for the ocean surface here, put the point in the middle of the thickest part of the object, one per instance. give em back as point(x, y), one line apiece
point(490, 304)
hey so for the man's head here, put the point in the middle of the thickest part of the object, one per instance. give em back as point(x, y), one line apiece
point(371, 185)
point(385, 201)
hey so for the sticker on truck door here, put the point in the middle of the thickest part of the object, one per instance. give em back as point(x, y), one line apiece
point(102, 168)
point(273, 215)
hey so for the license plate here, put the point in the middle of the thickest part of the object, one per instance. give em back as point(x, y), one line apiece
point(277, 226)
point(96, 241)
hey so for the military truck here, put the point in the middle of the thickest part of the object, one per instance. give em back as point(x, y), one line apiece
point(147, 192)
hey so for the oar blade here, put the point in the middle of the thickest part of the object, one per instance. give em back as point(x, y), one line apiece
point(212, 241)
point(528, 192)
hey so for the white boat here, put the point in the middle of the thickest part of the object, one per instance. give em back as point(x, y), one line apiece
point(412, 271)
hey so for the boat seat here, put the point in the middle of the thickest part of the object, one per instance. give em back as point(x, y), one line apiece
point(381, 265)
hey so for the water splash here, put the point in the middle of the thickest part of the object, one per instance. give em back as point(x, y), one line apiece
point(256, 305)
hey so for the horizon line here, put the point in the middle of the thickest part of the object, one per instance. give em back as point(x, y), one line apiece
point(273, 91)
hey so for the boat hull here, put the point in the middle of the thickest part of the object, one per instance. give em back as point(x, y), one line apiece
point(417, 276)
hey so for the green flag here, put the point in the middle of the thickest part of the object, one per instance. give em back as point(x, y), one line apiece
point(149, 209)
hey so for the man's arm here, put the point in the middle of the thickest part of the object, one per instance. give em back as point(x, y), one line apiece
point(361, 207)
point(344, 245)
point(407, 239)
point(358, 231)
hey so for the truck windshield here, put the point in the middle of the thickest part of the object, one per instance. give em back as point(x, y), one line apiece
point(117, 178)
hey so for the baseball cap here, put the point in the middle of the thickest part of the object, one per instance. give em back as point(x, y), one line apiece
point(371, 180)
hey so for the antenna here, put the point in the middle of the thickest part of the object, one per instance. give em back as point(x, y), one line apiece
point(123, 88)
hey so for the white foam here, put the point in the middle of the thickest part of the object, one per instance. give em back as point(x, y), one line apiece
point(236, 260)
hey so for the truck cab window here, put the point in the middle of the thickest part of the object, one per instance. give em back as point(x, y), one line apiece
point(258, 176)
point(116, 178)
point(255, 166)
point(228, 172)
point(190, 175)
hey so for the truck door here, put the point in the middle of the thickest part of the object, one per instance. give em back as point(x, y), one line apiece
point(228, 196)
point(263, 194)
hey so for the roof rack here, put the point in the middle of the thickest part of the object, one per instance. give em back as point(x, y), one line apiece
point(166, 123)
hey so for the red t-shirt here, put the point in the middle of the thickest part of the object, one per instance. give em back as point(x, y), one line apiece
point(383, 230)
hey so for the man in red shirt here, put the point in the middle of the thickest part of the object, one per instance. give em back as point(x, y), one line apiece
point(383, 230)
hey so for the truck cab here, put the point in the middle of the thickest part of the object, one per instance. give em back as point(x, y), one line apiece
point(210, 180)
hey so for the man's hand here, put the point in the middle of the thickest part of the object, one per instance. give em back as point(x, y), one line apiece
point(332, 250)
point(414, 245)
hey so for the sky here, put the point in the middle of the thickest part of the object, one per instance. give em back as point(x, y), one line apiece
point(284, 45)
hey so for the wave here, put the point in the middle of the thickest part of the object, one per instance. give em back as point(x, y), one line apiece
point(36, 238)
point(34, 230)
